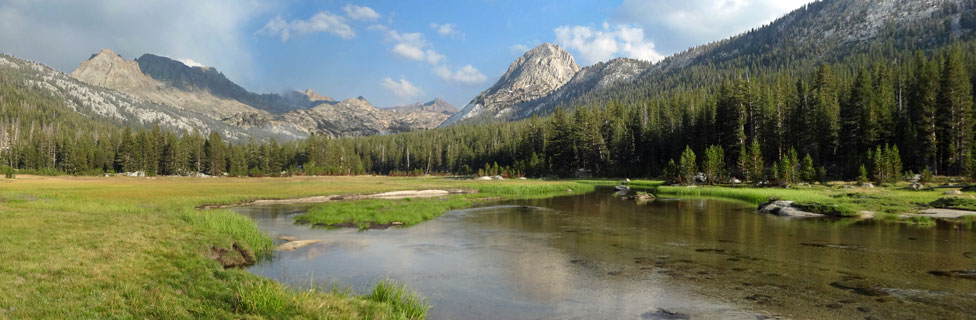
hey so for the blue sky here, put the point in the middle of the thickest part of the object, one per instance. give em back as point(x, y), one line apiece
point(391, 52)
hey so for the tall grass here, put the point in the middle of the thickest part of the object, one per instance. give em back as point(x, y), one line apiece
point(272, 300)
point(228, 223)
point(403, 304)
point(369, 212)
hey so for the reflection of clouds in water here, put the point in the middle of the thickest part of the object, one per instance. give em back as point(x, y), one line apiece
point(315, 250)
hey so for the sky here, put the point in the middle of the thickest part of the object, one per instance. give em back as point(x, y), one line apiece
point(390, 52)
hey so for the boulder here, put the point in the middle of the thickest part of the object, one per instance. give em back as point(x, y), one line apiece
point(626, 180)
point(916, 186)
point(497, 178)
point(785, 208)
point(733, 180)
point(867, 185)
point(700, 178)
point(622, 188)
point(952, 193)
point(485, 178)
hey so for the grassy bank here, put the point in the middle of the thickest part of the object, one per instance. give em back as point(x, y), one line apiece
point(379, 212)
point(92, 247)
point(886, 203)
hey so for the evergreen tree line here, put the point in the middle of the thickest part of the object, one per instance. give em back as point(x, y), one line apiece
point(886, 115)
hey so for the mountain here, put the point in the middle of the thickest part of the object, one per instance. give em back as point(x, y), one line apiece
point(435, 106)
point(537, 73)
point(828, 31)
point(596, 77)
point(357, 117)
point(207, 93)
point(119, 108)
point(108, 69)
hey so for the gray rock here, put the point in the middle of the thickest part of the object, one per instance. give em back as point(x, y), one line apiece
point(867, 185)
point(784, 208)
point(534, 75)
point(952, 193)
point(916, 186)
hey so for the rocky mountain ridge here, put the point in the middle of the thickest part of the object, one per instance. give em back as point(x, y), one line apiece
point(206, 91)
point(537, 73)
point(124, 109)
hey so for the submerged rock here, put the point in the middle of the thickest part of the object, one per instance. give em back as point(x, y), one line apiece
point(663, 314)
point(965, 274)
point(294, 245)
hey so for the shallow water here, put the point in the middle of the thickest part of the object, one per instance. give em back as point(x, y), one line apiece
point(597, 257)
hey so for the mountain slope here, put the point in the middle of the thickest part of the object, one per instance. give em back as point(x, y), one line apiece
point(539, 72)
point(826, 31)
point(123, 109)
point(357, 117)
point(177, 75)
point(207, 93)
point(108, 69)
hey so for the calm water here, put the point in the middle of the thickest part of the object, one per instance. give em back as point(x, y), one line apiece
point(596, 257)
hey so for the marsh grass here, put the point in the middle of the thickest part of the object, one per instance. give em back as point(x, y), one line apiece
point(126, 247)
point(887, 202)
point(370, 212)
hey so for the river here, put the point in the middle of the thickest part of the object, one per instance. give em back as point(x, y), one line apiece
point(594, 256)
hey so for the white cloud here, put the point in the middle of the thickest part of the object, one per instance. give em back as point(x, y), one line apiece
point(447, 30)
point(595, 45)
point(433, 57)
point(414, 46)
point(62, 33)
point(409, 51)
point(360, 13)
point(190, 63)
point(402, 89)
point(410, 45)
point(321, 22)
point(681, 24)
point(466, 75)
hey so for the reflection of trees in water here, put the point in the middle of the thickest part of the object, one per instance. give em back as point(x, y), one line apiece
point(802, 254)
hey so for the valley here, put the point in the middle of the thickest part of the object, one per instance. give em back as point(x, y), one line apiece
point(776, 160)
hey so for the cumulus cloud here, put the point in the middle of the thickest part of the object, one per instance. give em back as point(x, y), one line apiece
point(360, 13)
point(321, 22)
point(681, 24)
point(595, 45)
point(410, 45)
point(403, 89)
point(466, 74)
point(62, 33)
point(447, 30)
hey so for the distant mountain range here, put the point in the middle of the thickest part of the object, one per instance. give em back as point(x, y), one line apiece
point(205, 92)
point(155, 89)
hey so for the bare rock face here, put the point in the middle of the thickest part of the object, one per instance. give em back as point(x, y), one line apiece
point(315, 96)
point(536, 74)
point(599, 76)
point(210, 96)
point(357, 117)
point(108, 69)
point(436, 106)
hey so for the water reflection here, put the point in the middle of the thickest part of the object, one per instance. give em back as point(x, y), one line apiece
point(594, 256)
